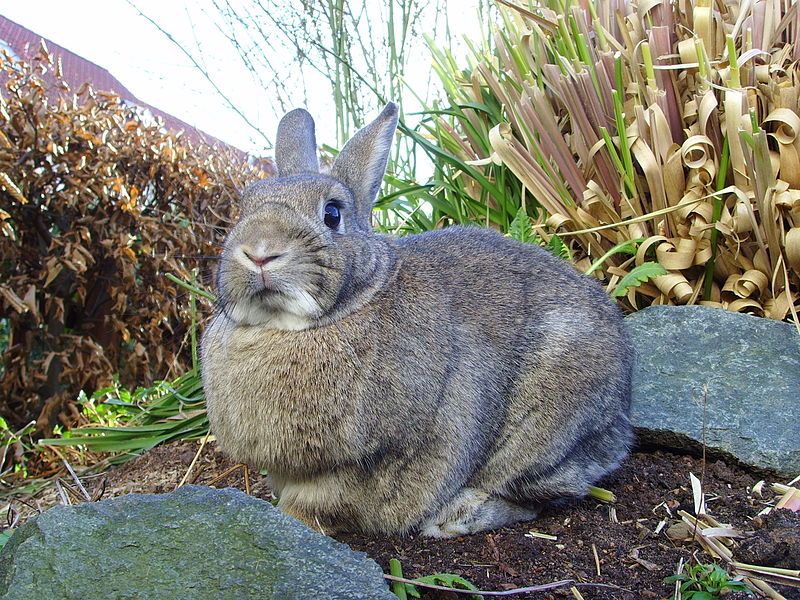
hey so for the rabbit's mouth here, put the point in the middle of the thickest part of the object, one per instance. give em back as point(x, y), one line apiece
point(269, 302)
point(267, 289)
point(266, 294)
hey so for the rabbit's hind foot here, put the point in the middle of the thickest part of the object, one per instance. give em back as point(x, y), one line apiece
point(473, 510)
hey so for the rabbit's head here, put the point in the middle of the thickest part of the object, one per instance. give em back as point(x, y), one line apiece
point(303, 249)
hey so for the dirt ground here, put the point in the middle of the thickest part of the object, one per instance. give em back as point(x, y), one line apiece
point(625, 546)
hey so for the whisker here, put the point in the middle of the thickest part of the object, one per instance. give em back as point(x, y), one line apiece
point(323, 266)
point(196, 257)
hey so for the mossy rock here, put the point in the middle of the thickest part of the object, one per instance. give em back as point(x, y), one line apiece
point(196, 542)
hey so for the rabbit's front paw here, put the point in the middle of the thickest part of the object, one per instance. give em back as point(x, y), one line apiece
point(474, 510)
point(445, 530)
point(308, 518)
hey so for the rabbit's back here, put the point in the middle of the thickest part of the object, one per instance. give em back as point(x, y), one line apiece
point(518, 298)
point(499, 281)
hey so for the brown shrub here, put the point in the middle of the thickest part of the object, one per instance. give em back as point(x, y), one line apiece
point(96, 204)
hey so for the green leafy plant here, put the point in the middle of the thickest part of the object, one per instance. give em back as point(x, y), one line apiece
point(557, 246)
point(128, 423)
point(706, 582)
point(637, 276)
point(108, 407)
point(626, 247)
point(521, 228)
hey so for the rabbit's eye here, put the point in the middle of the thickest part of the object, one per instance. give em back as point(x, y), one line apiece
point(332, 215)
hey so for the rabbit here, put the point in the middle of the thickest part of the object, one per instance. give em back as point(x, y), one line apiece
point(442, 383)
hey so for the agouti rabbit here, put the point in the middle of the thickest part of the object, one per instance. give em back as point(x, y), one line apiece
point(448, 382)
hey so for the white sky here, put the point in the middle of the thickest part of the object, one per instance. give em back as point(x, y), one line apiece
point(111, 34)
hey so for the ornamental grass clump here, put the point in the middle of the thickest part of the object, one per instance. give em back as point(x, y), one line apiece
point(658, 136)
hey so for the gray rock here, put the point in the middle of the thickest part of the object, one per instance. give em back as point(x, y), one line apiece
point(196, 542)
point(750, 367)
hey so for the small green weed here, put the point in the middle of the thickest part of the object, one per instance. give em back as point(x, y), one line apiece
point(557, 247)
point(408, 590)
point(15, 448)
point(5, 535)
point(706, 582)
point(444, 579)
point(637, 276)
point(522, 231)
point(109, 406)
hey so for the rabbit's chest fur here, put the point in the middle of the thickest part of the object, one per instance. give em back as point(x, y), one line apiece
point(282, 400)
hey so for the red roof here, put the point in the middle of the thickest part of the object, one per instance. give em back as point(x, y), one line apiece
point(76, 71)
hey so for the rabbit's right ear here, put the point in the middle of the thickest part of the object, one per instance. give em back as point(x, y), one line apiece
point(362, 162)
point(296, 144)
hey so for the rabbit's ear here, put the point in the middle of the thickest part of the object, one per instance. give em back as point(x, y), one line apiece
point(362, 162)
point(296, 144)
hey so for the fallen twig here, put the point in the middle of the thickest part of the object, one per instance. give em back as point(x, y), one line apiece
point(194, 461)
point(62, 495)
point(525, 590)
point(77, 480)
point(596, 559)
point(227, 472)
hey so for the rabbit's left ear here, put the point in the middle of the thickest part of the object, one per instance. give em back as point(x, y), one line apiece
point(362, 162)
point(296, 144)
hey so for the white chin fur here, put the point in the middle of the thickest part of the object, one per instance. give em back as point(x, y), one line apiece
point(297, 312)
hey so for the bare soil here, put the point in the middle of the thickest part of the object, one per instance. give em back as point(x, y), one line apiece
point(623, 546)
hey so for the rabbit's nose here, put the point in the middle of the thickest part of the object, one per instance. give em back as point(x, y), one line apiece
point(260, 259)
